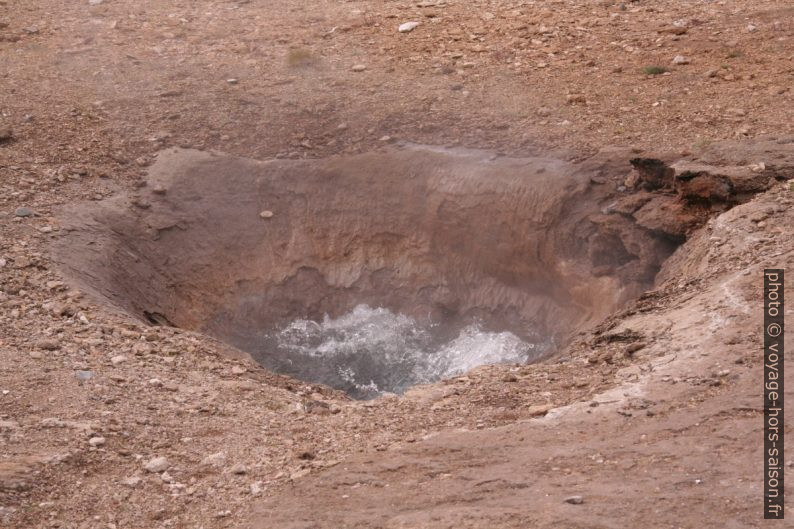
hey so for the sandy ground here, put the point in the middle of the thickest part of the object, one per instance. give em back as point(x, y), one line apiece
point(666, 437)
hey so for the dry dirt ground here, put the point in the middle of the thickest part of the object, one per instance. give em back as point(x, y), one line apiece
point(668, 436)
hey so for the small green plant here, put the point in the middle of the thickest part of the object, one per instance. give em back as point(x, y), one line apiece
point(654, 70)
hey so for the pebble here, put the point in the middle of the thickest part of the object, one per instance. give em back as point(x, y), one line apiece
point(299, 473)
point(359, 67)
point(237, 370)
point(574, 500)
point(23, 211)
point(48, 345)
point(83, 375)
point(680, 59)
point(157, 465)
point(539, 410)
point(266, 214)
point(407, 27)
point(256, 488)
point(118, 359)
point(96, 441)
point(239, 469)
point(214, 460)
point(131, 481)
point(5, 134)
point(95, 2)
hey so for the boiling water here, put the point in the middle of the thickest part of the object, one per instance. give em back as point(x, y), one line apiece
point(369, 351)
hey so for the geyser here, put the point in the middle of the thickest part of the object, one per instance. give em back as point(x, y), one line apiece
point(371, 272)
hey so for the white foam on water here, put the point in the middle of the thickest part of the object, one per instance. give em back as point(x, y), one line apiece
point(369, 351)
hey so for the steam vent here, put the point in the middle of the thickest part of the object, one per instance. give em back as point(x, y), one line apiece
point(369, 273)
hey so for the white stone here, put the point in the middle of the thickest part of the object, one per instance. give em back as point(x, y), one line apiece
point(96, 441)
point(157, 465)
point(214, 460)
point(256, 488)
point(118, 359)
point(407, 27)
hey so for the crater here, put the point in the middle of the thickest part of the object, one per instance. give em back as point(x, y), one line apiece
point(371, 272)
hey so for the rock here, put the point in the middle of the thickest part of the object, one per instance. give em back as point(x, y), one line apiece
point(131, 481)
point(237, 370)
point(118, 359)
point(48, 344)
point(634, 347)
point(83, 375)
point(157, 465)
point(238, 469)
point(24, 211)
point(680, 60)
point(6, 134)
point(95, 2)
point(698, 182)
point(266, 214)
point(232, 81)
point(35, 355)
point(665, 215)
point(574, 500)
point(256, 488)
point(407, 27)
point(359, 67)
point(299, 473)
point(217, 459)
point(539, 410)
point(652, 173)
point(96, 441)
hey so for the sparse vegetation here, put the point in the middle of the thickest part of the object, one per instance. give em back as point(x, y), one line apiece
point(298, 57)
point(654, 70)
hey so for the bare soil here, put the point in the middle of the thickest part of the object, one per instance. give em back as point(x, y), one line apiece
point(653, 417)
